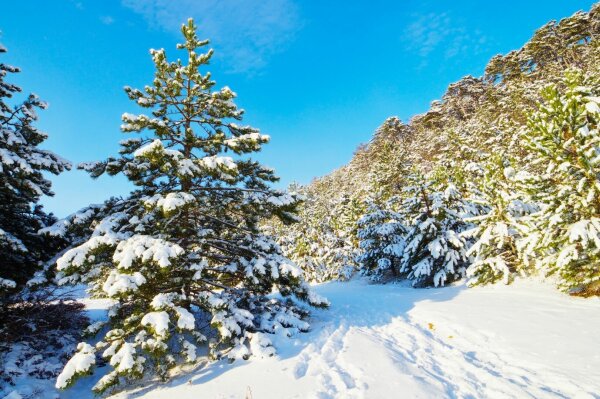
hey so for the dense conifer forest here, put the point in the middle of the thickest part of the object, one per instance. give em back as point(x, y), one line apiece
point(496, 179)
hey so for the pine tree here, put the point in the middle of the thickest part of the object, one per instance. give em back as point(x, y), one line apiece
point(322, 253)
point(381, 233)
point(22, 183)
point(342, 245)
point(499, 231)
point(185, 248)
point(323, 243)
point(388, 158)
point(435, 252)
point(564, 139)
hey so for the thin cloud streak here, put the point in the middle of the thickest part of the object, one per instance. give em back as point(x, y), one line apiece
point(433, 32)
point(107, 20)
point(247, 33)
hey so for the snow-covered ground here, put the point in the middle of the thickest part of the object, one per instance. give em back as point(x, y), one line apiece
point(522, 340)
point(390, 341)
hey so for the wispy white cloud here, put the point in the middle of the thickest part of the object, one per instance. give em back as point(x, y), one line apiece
point(435, 32)
point(246, 32)
point(78, 4)
point(107, 20)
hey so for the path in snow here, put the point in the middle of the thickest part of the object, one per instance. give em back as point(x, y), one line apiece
point(518, 341)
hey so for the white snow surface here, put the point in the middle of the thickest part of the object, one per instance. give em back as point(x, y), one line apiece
point(524, 340)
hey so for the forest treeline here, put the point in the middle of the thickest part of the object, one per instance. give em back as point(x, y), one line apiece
point(499, 178)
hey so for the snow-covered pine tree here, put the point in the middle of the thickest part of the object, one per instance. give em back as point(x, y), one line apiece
point(564, 139)
point(343, 237)
point(498, 231)
point(381, 233)
point(22, 183)
point(321, 252)
point(389, 157)
point(185, 248)
point(323, 242)
point(434, 211)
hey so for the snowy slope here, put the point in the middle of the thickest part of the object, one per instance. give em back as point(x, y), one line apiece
point(523, 340)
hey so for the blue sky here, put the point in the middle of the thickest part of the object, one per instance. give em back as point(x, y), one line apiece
point(318, 76)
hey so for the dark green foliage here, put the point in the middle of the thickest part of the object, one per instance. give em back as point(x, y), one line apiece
point(22, 164)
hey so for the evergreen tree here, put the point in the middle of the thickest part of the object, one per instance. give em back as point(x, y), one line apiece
point(435, 252)
point(499, 231)
point(564, 139)
point(388, 158)
point(321, 252)
point(185, 248)
point(381, 233)
point(323, 243)
point(22, 183)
